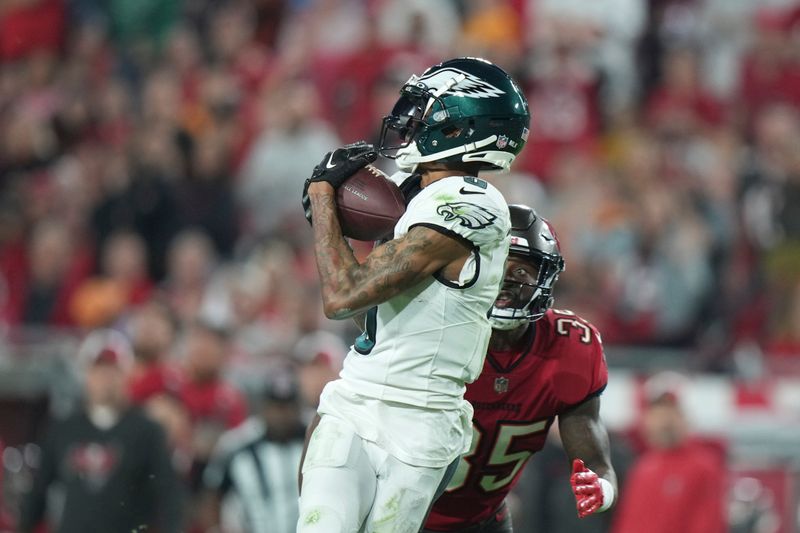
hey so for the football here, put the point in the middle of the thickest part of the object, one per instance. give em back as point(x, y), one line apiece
point(369, 205)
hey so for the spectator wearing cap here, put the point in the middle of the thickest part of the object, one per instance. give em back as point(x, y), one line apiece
point(678, 483)
point(111, 460)
point(254, 468)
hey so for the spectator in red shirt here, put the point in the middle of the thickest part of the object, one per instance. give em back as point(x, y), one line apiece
point(678, 484)
point(152, 331)
point(214, 405)
point(770, 72)
point(565, 94)
point(680, 104)
point(27, 26)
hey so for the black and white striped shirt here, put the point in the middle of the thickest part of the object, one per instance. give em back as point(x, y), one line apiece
point(257, 478)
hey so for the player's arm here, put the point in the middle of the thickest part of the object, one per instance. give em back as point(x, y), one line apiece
point(585, 441)
point(349, 287)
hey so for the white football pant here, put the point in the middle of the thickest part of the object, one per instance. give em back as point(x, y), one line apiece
point(351, 485)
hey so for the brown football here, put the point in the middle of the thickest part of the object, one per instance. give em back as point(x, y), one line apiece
point(369, 205)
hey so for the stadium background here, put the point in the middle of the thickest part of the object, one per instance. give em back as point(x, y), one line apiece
point(155, 149)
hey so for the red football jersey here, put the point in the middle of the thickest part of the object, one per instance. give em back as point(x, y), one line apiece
point(516, 399)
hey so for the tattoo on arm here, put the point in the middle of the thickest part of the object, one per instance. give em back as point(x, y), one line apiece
point(333, 254)
point(585, 437)
point(349, 287)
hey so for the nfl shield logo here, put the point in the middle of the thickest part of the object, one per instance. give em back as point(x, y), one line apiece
point(502, 141)
point(500, 385)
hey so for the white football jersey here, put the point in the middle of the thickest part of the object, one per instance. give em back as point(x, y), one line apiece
point(403, 381)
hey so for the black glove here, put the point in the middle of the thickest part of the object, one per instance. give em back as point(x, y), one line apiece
point(337, 166)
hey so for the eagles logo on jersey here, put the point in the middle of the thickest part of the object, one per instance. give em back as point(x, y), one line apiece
point(470, 215)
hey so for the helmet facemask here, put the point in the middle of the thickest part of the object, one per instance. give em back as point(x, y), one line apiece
point(519, 302)
point(406, 121)
point(410, 123)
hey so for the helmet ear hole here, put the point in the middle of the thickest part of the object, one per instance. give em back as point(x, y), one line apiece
point(452, 131)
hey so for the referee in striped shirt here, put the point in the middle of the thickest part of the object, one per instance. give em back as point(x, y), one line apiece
point(251, 481)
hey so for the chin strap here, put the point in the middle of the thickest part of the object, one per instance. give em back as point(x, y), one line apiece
point(409, 157)
point(506, 319)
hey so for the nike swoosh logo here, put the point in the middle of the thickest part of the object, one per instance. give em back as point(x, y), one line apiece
point(328, 164)
point(465, 191)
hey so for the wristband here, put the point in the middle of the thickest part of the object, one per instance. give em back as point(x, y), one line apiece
point(608, 494)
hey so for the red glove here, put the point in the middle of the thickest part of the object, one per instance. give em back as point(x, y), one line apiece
point(587, 489)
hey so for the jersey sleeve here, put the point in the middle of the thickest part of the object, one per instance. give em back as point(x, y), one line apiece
point(599, 378)
point(592, 357)
point(477, 214)
point(581, 371)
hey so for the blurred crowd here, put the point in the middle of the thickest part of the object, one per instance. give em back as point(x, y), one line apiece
point(152, 154)
point(155, 149)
